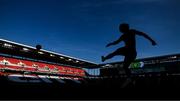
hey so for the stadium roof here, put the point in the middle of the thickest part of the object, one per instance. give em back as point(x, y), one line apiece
point(21, 50)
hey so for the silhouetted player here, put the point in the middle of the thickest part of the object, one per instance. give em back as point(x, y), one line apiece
point(129, 50)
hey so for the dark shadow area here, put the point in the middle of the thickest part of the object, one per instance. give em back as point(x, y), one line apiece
point(146, 86)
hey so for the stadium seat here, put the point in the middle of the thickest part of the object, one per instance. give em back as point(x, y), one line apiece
point(69, 71)
point(41, 67)
point(81, 72)
point(62, 70)
point(29, 66)
point(55, 69)
point(13, 61)
point(51, 67)
point(2, 58)
point(13, 64)
point(76, 72)
point(27, 63)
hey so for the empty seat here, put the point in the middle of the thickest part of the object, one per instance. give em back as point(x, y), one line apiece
point(28, 66)
point(27, 63)
point(2, 58)
point(62, 70)
point(81, 72)
point(42, 67)
point(2, 62)
point(13, 61)
point(76, 72)
point(55, 69)
point(69, 71)
point(51, 67)
point(13, 64)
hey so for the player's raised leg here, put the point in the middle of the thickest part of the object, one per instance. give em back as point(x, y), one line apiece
point(120, 51)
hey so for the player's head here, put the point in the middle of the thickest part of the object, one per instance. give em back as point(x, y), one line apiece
point(124, 27)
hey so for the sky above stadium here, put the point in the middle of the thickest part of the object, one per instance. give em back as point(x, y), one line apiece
point(82, 28)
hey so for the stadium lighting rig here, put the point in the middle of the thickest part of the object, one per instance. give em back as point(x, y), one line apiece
point(25, 49)
point(61, 57)
point(40, 52)
point(7, 45)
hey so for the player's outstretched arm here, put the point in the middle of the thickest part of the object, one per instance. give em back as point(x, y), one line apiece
point(146, 36)
point(115, 42)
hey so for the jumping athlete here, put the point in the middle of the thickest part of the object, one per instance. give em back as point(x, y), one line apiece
point(129, 50)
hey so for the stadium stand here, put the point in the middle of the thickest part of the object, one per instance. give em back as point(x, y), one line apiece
point(29, 74)
point(29, 66)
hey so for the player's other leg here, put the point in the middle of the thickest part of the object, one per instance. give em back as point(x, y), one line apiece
point(127, 61)
point(120, 51)
point(129, 58)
